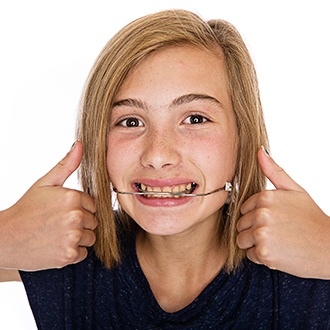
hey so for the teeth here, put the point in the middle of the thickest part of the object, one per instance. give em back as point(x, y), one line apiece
point(167, 189)
point(176, 190)
point(156, 189)
point(173, 192)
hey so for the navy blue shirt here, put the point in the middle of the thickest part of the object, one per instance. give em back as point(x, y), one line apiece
point(89, 296)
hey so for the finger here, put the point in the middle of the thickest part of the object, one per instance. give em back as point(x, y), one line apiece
point(245, 222)
point(89, 221)
point(87, 239)
point(250, 204)
point(260, 255)
point(245, 239)
point(88, 203)
point(81, 255)
point(278, 177)
point(62, 170)
point(251, 250)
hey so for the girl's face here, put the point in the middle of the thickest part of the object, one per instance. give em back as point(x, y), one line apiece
point(172, 127)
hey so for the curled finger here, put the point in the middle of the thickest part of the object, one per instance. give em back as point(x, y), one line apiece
point(88, 203)
point(245, 239)
point(244, 223)
point(89, 221)
point(88, 238)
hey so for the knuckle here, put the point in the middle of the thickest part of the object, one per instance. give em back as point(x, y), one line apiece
point(75, 236)
point(71, 246)
point(262, 215)
point(72, 197)
point(266, 197)
point(263, 254)
point(76, 217)
point(70, 255)
point(260, 234)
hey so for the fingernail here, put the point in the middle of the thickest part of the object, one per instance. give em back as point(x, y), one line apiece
point(265, 151)
point(74, 143)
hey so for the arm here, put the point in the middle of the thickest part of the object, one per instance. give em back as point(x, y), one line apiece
point(50, 226)
point(9, 276)
point(284, 228)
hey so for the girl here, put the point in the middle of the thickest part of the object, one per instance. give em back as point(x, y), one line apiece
point(171, 124)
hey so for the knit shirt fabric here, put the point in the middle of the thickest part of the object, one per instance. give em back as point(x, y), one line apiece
point(89, 296)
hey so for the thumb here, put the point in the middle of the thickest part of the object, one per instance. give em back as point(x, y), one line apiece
point(276, 175)
point(63, 169)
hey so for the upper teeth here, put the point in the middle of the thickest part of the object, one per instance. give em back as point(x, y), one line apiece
point(164, 191)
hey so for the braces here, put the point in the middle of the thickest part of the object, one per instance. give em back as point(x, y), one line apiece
point(227, 187)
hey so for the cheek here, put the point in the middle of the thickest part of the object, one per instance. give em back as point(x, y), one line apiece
point(218, 154)
point(113, 154)
point(122, 156)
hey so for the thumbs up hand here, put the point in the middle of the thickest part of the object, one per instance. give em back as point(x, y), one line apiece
point(50, 226)
point(284, 229)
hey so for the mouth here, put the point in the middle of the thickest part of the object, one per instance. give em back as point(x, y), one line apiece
point(166, 192)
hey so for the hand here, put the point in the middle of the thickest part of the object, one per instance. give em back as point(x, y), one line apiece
point(50, 226)
point(284, 229)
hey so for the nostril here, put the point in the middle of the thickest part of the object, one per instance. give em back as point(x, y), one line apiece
point(160, 145)
point(160, 153)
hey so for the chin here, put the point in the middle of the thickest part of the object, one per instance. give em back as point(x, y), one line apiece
point(162, 226)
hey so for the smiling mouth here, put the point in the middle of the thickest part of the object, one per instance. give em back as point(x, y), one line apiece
point(166, 192)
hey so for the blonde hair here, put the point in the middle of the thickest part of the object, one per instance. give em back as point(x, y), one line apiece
point(122, 53)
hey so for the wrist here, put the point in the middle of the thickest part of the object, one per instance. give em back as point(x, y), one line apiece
point(8, 236)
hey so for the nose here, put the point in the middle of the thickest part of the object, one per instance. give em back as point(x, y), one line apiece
point(160, 150)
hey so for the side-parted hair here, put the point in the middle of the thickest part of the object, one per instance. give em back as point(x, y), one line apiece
point(122, 53)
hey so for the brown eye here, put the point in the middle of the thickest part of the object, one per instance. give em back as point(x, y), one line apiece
point(195, 119)
point(131, 122)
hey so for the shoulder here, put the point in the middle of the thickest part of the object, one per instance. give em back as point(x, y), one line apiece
point(260, 277)
point(294, 292)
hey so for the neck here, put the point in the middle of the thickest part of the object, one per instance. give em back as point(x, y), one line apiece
point(178, 251)
point(184, 264)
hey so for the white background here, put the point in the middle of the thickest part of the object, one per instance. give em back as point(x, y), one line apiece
point(48, 47)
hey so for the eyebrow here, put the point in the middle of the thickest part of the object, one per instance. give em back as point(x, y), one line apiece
point(183, 99)
point(134, 103)
point(188, 98)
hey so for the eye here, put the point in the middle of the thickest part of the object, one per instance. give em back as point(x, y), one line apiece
point(195, 119)
point(130, 122)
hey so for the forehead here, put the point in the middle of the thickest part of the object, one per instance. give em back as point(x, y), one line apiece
point(177, 70)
